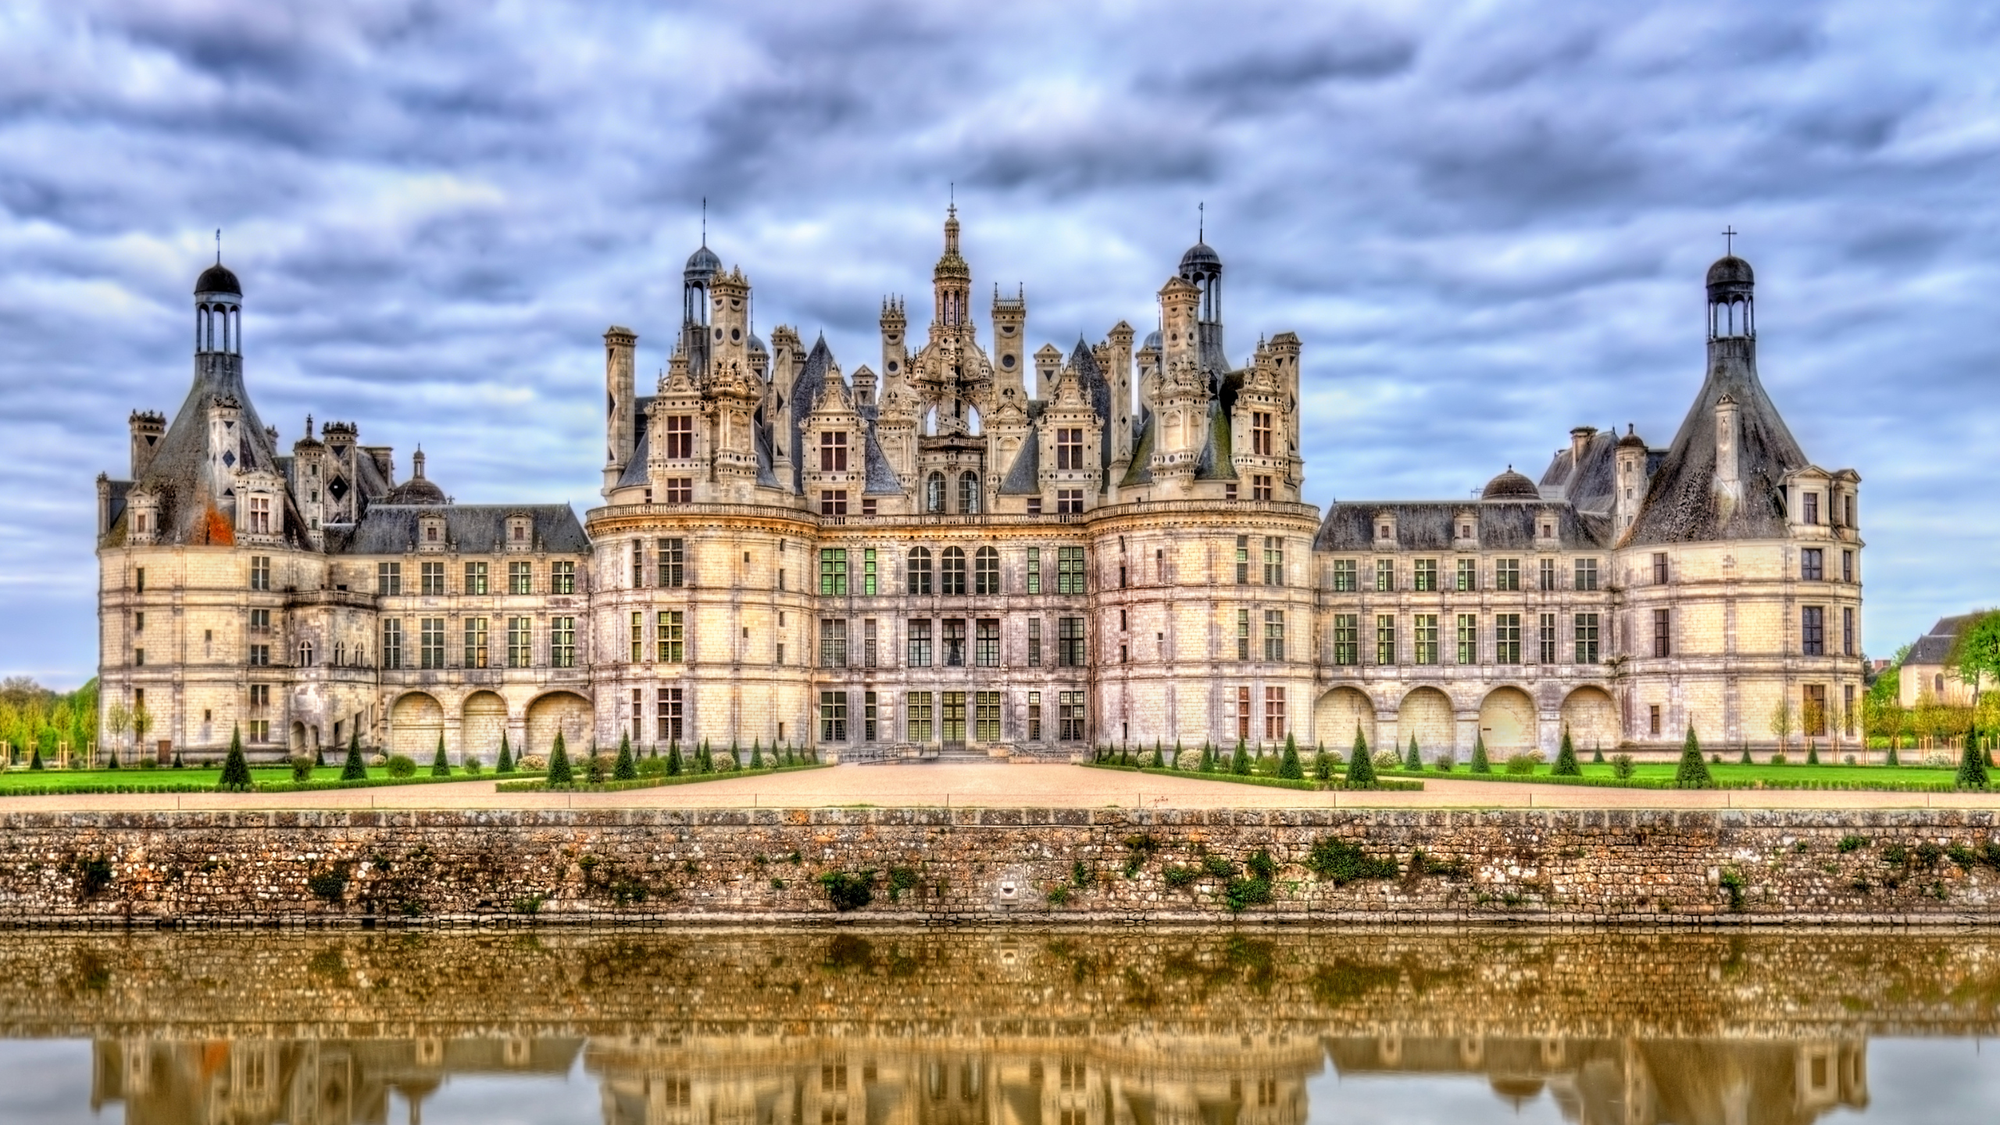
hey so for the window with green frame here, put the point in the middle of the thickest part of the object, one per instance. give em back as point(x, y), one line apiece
point(833, 572)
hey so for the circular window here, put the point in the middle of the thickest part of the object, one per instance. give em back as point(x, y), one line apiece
point(1007, 361)
point(718, 333)
point(735, 334)
point(893, 365)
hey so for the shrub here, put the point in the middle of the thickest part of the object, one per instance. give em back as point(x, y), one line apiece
point(1480, 764)
point(1207, 757)
point(1180, 878)
point(1159, 758)
point(1289, 766)
point(652, 767)
point(1848, 760)
point(1693, 771)
point(1413, 761)
point(1971, 764)
point(757, 760)
point(1812, 754)
point(1388, 760)
point(1360, 767)
point(1778, 759)
point(1189, 760)
point(1716, 759)
point(1524, 764)
point(235, 771)
point(624, 768)
point(439, 766)
point(1057, 894)
point(1852, 844)
point(1746, 756)
point(1447, 761)
point(1597, 756)
point(35, 758)
point(848, 891)
point(401, 766)
point(725, 765)
point(471, 766)
point(1322, 766)
point(302, 767)
point(506, 764)
point(596, 767)
point(1239, 763)
point(1339, 862)
point(1081, 875)
point(533, 763)
point(1566, 759)
point(354, 769)
point(1622, 767)
point(379, 758)
point(559, 769)
point(674, 765)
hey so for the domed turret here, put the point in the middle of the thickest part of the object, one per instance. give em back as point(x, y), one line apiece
point(1510, 485)
point(218, 279)
point(1732, 309)
point(1200, 263)
point(416, 490)
point(701, 266)
point(218, 308)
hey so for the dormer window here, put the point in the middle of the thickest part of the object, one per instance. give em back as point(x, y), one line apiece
point(1465, 531)
point(1382, 532)
point(260, 515)
point(1811, 513)
point(520, 533)
point(680, 437)
point(431, 534)
point(833, 452)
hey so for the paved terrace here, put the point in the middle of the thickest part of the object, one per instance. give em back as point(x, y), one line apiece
point(1000, 785)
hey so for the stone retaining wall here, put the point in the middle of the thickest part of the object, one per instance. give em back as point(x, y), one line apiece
point(999, 865)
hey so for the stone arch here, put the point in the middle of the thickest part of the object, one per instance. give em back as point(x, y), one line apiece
point(1507, 721)
point(484, 720)
point(415, 722)
point(300, 744)
point(559, 710)
point(1427, 714)
point(1337, 713)
point(1592, 719)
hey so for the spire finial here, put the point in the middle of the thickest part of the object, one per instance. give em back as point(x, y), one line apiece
point(951, 196)
point(1729, 240)
point(218, 246)
point(1201, 222)
point(704, 220)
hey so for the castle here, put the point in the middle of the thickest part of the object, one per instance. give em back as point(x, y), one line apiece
point(977, 550)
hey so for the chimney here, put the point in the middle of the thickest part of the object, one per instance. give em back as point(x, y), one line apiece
point(1579, 440)
point(147, 428)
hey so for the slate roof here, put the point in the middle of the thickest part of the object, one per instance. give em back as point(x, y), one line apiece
point(1592, 489)
point(1934, 647)
point(1504, 525)
point(1025, 474)
point(391, 529)
point(635, 469)
point(1096, 389)
point(805, 392)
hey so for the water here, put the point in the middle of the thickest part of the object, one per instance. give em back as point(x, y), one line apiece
point(1174, 1027)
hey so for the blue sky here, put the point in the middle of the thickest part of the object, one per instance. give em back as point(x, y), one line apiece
point(1488, 223)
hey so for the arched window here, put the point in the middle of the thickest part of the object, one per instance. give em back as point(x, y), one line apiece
point(917, 577)
point(305, 654)
point(1940, 684)
point(952, 576)
point(986, 571)
point(968, 493)
point(934, 493)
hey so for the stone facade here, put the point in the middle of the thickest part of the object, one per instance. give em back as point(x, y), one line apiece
point(979, 550)
point(1003, 866)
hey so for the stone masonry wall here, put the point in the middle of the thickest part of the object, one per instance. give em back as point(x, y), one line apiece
point(999, 865)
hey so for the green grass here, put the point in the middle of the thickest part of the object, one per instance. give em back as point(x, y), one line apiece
point(1728, 775)
point(25, 782)
point(541, 785)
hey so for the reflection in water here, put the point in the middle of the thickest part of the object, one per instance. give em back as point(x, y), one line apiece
point(1187, 1028)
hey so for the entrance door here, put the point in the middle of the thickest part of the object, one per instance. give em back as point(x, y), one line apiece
point(954, 720)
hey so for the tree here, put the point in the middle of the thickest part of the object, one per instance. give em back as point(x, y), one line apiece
point(1412, 760)
point(559, 770)
point(1976, 653)
point(1159, 755)
point(354, 769)
point(1239, 762)
point(142, 721)
point(1693, 772)
point(1207, 758)
point(1971, 766)
point(235, 770)
point(674, 758)
point(1566, 759)
point(1360, 767)
point(626, 769)
point(1480, 763)
point(440, 766)
point(506, 763)
point(118, 720)
point(1290, 767)
point(1783, 723)
point(757, 753)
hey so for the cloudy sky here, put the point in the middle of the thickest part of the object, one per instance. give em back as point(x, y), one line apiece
point(1488, 222)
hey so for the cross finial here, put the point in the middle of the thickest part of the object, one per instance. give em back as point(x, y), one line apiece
point(1729, 240)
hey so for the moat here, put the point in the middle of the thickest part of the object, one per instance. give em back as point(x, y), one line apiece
point(1025, 1027)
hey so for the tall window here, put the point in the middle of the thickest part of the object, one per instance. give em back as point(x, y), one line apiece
point(260, 515)
point(672, 562)
point(1274, 714)
point(1260, 487)
point(986, 643)
point(433, 579)
point(1034, 716)
point(1034, 642)
point(1812, 630)
point(562, 578)
point(1506, 638)
point(1424, 576)
point(833, 714)
point(638, 636)
point(1243, 634)
point(869, 715)
point(951, 573)
point(475, 578)
point(986, 716)
point(920, 645)
point(833, 572)
point(1506, 574)
point(475, 642)
point(670, 636)
point(934, 493)
point(833, 502)
point(1662, 633)
point(1243, 715)
point(1071, 716)
point(1385, 638)
point(1548, 569)
point(868, 643)
point(1847, 630)
point(388, 579)
point(1034, 570)
point(917, 574)
point(917, 716)
point(1811, 507)
point(1424, 638)
point(679, 490)
point(1468, 638)
point(968, 493)
point(1813, 713)
point(1069, 570)
point(1659, 568)
point(1274, 561)
point(520, 578)
point(1069, 501)
point(868, 587)
point(1468, 575)
point(833, 452)
point(679, 438)
point(1548, 637)
point(1847, 566)
point(562, 642)
point(1345, 581)
point(520, 642)
point(1346, 636)
point(1069, 642)
point(1274, 634)
point(430, 642)
point(954, 642)
point(1812, 564)
point(260, 572)
point(833, 643)
point(1586, 638)
point(668, 712)
point(1069, 449)
point(1385, 575)
point(1586, 575)
point(1260, 433)
point(986, 571)
point(1243, 560)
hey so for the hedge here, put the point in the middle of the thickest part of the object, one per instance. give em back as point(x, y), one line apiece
point(1254, 779)
point(542, 786)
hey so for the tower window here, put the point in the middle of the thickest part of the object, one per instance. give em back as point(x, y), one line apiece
point(968, 493)
point(1811, 513)
point(679, 490)
point(679, 437)
point(934, 493)
point(260, 515)
point(833, 502)
point(833, 452)
point(1260, 433)
point(1260, 487)
point(1812, 564)
point(1069, 449)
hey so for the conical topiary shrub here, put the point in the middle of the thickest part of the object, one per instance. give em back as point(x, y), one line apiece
point(1289, 766)
point(626, 768)
point(1207, 758)
point(1971, 764)
point(1239, 763)
point(1159, 755)
point(1360, 767)
point(1322, 765)
point(757, 753)
point(439, 766)
point(1566, 759)
point(235, 770)
point(559, 769)
point(1412, 760)
point(674, 758)
point(506, 763)
point(1693, 772)
point(35, 758)
point(1745, 760)
point(1812, 753)
point(319, 755)
point(1597, 756)
point(1480, 762)
point(354, 769)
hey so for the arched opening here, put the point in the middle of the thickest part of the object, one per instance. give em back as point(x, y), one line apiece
point(1507, 721)
point(484, 720)
point(1592, 719)
point(298, 745)
point(917, 574)
point(986, 571)
point(415, 724)
point(1338, 714)
point(1427, 714)
point(951, 573)
point(934, 493)
point(559, 711)
point(972, 420)
point(930, 422)
point(968, 493)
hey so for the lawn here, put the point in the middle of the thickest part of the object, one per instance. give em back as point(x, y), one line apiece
point(20, 780)
point(1732, 774)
